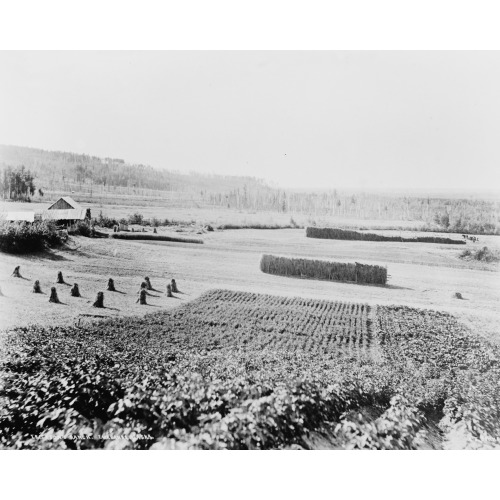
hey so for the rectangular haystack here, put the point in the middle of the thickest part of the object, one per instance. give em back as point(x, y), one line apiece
point(323, 270)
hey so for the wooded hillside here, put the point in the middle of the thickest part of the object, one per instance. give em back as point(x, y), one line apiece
point(57, 171)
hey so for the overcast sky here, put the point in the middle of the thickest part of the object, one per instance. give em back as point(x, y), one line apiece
point(300, 119)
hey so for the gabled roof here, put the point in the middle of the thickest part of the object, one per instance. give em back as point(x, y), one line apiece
point(70, 201)
point(73, 214)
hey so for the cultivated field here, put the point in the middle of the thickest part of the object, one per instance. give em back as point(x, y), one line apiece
point(242, 370)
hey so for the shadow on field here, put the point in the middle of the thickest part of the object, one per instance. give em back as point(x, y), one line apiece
point(43, 255)
point(395, 287)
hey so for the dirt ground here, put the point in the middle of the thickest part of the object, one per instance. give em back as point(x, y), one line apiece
point(421, 275)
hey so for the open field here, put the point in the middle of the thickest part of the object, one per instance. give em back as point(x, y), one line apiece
point(421, 275)
point(185, 211)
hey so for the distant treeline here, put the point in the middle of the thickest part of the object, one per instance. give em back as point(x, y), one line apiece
point(60, 170)
point(468, 216)
point(332, 233)
point(323, 270)
point(65, 172)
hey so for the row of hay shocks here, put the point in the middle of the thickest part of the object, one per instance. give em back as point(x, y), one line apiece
point(146, 285)
point(99, 302)
point(116, 229)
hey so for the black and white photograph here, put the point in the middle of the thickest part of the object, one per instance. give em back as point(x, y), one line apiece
point(290, 250)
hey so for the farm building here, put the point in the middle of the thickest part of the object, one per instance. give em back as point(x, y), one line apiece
point(65, 203)
point(17, 216)
point(66, 211)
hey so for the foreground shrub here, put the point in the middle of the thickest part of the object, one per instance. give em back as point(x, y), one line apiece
point(332, 233)
point(323, 270)
point(22, 237)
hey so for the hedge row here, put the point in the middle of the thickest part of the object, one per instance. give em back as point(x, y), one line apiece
point(24, 237)
point(154, 237)
point(333, 233)
point(323, 270)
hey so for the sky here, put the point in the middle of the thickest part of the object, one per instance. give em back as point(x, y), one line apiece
point(299, 119)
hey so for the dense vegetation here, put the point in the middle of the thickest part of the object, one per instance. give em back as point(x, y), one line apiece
point(24, 237)
point(323, 270)
point(483, 254)
point(238, 370)
point(17, 183)
point(333, 233)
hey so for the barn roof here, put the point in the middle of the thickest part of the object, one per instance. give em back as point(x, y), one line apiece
point(70, 214)
point(18, 216)
point(70, 201)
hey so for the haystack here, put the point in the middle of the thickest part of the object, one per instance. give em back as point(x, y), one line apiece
point(99, 301)
point(53, 295)
point(142, 297)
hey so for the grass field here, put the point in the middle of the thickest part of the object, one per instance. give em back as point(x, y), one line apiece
point(241, 370)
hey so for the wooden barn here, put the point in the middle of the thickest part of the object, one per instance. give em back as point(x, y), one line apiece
point(66, 212)
point(65, 203)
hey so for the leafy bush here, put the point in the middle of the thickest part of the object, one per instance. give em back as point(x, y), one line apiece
point(323, 270)
point(23, 237)
point(136, 218)
point(343, 234)
point(82, 228)
point(104, 221)
point(483, 255)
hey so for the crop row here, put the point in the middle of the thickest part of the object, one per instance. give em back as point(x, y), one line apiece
point(333, 233)
point(265, 322)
